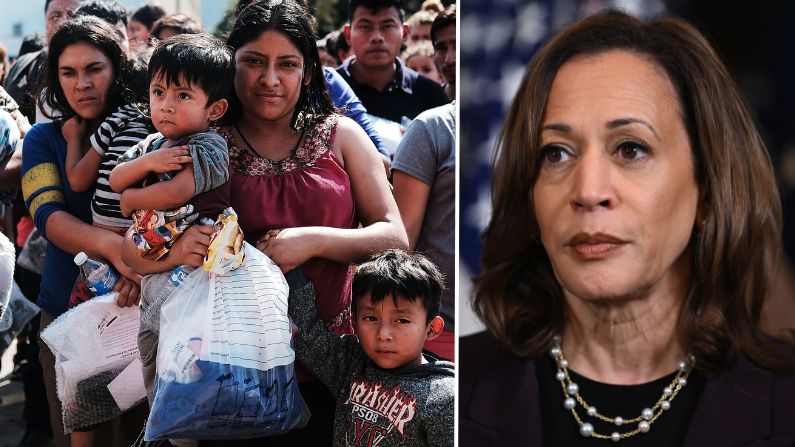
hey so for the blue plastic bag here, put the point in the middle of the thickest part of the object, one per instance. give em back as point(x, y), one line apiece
point(227, 402)
point(224, 360)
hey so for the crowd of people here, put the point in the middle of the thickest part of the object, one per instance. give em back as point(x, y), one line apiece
point(134, 127)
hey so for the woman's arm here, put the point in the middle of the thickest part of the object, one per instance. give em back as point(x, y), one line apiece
point(72, 235)
point(82, 169)
point(376, 208)
point(161, 195)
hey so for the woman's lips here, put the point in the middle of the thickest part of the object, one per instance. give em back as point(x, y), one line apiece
point(595, 246)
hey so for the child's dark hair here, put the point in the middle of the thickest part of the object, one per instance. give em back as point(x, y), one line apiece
point(375, 6)
point(399, 274)
point(198, 59)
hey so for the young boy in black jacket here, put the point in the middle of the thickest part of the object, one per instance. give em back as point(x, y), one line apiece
point(388, 392)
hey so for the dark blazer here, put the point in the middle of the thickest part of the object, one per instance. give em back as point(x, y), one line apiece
point(498, 403)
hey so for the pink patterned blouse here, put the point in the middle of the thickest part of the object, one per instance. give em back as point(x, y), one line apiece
point(308, 188)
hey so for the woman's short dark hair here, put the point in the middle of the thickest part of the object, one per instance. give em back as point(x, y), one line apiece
point(105, 38)
point(735, 250)
point(147, 15)
point(294, 21)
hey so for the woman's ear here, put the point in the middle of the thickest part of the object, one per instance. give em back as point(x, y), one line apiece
point(435, 328)
point(218, 109)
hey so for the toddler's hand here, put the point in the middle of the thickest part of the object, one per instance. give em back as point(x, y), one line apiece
point(73, 129)
point(168, 159)
point(124, 204)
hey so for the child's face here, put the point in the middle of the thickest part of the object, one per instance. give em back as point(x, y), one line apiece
point(393, 336)
point(180, 110)
point(425, 66)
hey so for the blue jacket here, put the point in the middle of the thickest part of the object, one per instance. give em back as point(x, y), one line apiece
point(343, 96)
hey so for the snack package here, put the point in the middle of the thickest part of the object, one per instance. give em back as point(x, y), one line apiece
point(226, 245)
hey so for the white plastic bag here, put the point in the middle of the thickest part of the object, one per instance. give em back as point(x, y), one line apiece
point(224, 361)
point(19, 313)
point(97, 366)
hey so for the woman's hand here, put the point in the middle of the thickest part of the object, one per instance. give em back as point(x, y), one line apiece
point(168, 159)
point(128, 285)
point(129, 292)
point(74, 129)
point(289, 248)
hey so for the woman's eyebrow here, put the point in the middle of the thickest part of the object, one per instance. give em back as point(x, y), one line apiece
point(629, 120)
point(558, 127)
point(565, 128)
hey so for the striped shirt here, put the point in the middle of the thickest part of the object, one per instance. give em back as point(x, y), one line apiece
point(120, 131)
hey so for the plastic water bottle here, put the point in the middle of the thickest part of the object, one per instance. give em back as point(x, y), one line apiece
point(99, 277)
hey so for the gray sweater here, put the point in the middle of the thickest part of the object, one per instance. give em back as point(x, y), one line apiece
point(407, 406)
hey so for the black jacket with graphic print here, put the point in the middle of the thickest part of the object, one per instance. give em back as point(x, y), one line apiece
point(407, 406)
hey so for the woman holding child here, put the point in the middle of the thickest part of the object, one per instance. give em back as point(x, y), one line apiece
point(87, 68)
point(303, 179)
point(303, 176)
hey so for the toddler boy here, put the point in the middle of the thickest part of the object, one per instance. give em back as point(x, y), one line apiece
point(183, 167)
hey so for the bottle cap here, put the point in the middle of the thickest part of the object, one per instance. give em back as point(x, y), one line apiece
point(81, 258)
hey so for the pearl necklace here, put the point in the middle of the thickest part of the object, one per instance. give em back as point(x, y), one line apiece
point(571, 394)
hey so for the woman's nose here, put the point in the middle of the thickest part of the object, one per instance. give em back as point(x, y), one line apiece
point(591, 182)
point(83, 81)
point(269, 77)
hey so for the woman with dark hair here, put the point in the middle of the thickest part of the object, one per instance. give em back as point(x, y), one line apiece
point(141, 22)
point(85, 75)
point(303, 177)
point(307, 184)
point(634, 238)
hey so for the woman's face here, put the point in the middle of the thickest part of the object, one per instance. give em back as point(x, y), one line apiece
point(85, 74)
point(138, 34)
point(270, 74)
point(616, 196)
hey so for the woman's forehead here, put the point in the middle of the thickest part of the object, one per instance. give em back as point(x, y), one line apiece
point(271, 42)
point(81, 53)
point(611, 85)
